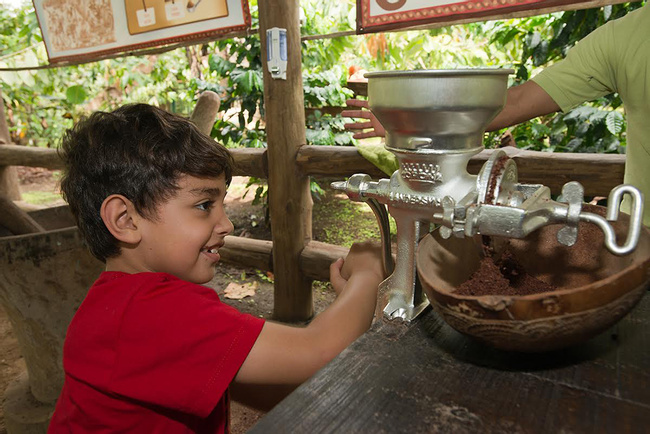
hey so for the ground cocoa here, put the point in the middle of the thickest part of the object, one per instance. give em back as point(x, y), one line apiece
point(501, 276)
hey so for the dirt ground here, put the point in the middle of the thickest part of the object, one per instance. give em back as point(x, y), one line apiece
point(329, 212)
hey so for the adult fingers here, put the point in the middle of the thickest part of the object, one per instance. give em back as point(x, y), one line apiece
point(357, 125)
point(355, 114)
point(366, 135)
point(357, 103)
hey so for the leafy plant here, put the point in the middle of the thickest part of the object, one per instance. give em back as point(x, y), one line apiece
point(326, 89)
point(237, 68)
point(543, 40)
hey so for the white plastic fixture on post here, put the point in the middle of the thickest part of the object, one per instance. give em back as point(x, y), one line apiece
point(276, 52)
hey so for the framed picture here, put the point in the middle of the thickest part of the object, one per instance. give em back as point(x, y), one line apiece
point(90, 29)
point(381, 15)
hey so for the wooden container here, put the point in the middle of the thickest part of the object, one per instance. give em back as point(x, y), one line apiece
point(43, 279)
point(595, 288)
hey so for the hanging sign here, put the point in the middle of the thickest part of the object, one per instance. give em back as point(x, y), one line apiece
point(90, 29)
point(380, 15)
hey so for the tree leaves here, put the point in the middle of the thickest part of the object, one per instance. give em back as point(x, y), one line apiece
point(249, 80)
point(75, 94)
point(615, 122)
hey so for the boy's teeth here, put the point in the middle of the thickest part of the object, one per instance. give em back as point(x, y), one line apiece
point(213, 250)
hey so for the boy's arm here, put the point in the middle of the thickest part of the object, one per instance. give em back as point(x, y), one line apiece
point(283, 357)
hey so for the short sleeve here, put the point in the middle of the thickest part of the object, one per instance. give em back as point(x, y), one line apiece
point(587, 73)
point(180, 347)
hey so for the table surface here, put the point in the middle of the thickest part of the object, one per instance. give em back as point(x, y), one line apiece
point(426, 377)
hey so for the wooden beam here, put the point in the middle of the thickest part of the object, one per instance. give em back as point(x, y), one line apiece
point(14, 155)
point(8, 175)
point(335, 161)
point(248, 252)
point(315, 258)
point(15, 219)
point(290, 201)
point(251, 162)
point(598, 173)
point(248, 161)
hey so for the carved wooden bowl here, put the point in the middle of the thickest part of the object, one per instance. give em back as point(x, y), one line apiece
point(595, 288)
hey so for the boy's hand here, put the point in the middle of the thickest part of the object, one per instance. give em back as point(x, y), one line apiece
point(363, 258)
point(337, 281)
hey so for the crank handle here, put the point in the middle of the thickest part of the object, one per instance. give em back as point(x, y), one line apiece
point(613, 204)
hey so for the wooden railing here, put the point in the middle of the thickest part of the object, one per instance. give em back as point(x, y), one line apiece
point(598, 173)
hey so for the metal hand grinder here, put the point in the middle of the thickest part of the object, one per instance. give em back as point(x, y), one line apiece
point(435, 121)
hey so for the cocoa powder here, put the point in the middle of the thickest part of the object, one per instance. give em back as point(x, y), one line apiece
point(502, 276)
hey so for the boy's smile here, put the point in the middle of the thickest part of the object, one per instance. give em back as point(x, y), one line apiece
point(185, 236)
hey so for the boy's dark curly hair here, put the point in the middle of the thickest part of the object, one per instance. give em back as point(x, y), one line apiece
point(138, 151)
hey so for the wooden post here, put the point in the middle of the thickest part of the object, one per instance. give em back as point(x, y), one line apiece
point(15, 219)
point(290, 201)
point(8, 175)
point(205, 111)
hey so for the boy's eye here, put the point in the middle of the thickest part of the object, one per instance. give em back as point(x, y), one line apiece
point(205, 206)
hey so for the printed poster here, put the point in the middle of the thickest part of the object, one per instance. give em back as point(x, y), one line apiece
point(381, 15)
point(89, 29)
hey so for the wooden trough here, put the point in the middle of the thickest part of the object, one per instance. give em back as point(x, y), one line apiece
point(44, 278)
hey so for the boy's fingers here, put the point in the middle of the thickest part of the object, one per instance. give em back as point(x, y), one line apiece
point(337, 280)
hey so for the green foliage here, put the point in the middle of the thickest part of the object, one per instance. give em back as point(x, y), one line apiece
point(75, 94)
point(547, 38)
point(327, 130)
point(326, 89)
point(236, 67)
point(543, 40)
point(323, 17)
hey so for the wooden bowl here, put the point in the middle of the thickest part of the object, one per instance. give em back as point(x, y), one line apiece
point(595, 288)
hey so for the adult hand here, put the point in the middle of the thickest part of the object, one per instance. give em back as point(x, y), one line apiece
point(375, 128)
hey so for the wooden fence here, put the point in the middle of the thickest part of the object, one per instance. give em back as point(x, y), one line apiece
point(598, 173)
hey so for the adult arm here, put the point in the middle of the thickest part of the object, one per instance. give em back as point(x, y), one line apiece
point(283, 357)
point(523, 103)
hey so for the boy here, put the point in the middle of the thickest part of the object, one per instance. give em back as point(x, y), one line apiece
point(150, 349)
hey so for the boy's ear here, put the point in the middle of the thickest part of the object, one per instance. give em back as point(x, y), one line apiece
point(121, 219)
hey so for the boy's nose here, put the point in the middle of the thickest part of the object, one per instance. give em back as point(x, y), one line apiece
point(224, 226)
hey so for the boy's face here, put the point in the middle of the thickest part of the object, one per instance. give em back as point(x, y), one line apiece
point(183, 240)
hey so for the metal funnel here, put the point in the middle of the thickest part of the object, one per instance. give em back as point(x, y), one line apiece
point(437, 111)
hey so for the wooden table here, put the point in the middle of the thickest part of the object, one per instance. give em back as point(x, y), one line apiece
point(427, 378)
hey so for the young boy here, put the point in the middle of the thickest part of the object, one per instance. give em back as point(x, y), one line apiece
point(150, 349)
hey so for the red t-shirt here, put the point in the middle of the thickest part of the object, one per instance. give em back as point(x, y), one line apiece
point(150, 353)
